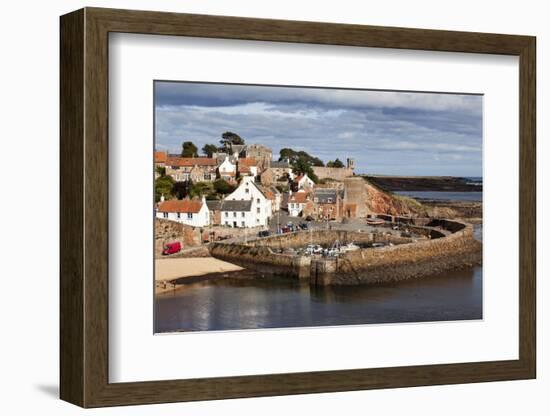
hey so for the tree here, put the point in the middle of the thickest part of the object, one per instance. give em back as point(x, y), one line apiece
point(229, 138)
point(188, 149)
point(222, 187)
point(302, 167)
point(209, 149)
point(182, 189)
point(336, 164)
point(293, 156)
point(163, 186)
point(161, 170)
point(199, 189)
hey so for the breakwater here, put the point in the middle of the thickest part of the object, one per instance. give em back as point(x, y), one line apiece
point(448, 245)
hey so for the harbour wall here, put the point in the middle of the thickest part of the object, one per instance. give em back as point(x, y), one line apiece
point(401, 262)
point(452, 245)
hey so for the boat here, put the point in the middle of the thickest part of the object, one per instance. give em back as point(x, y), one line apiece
point(350, 247)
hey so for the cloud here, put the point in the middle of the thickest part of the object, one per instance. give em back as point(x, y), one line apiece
point(207, 94)
point(394, 133)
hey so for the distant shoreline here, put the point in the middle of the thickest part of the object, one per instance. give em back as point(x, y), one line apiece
point(424, 183)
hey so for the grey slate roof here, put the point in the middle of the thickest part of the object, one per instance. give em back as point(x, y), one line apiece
point(322, 195)
point(236, 205)
point(214, 205)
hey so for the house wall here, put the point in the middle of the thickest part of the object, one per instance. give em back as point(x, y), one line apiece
point(227, 167)
point(199, 219)
point(261, 206)
point(295, 208)
point(230, 217)
point(306, 183)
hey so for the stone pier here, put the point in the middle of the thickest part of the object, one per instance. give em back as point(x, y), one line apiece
point(450, 245)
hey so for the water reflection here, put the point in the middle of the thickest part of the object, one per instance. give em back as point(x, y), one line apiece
point(258, 301)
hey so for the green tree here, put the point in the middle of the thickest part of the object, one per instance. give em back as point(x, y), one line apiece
point(188, 149)
point(199, 189)
point(209, 149)
point(163, 186)
point(182, 189)
point(161, 170)
point(229, 138)
point(336, 164)
point(293, 156)
point(302, 167)
point(223, 187)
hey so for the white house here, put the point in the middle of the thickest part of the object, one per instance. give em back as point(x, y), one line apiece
point(261, 208)
point(237, 214)
point(227, 169)
point(296, 202)
point(189, 212)
point(304, 182)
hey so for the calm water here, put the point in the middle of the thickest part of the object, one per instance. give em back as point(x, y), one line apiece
point(437, 195)
point(280, 303)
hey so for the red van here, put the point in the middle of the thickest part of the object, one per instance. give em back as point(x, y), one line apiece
point(171, 248)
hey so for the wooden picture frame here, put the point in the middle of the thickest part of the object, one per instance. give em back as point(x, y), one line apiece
point(84, 207)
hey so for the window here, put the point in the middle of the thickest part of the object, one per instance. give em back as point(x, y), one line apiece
point(190, 215)
point(257, 200)
point(178, 215)
point(235, 214)
point(257, 220)
point(207, 177)
point(247, 190)
point(242, 223)
point(226, 215)
point(242, 214)
point(258, 210)
point(165, 215)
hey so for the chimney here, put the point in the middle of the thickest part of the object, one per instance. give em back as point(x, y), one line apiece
point(162, 198)
point(203, 200)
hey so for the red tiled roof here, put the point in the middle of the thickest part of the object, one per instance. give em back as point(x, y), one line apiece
point(248, 161)
point(270, 195)
point(191, 161)
point(183, 205)
point(160, 157)
point(299, 197)
point(244, 169)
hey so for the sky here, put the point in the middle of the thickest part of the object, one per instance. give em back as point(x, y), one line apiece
point(386, 132)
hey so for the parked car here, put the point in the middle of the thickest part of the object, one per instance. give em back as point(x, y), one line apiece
point(171, 248)
point(304, 226)
point(264, 233)
point(285, 230)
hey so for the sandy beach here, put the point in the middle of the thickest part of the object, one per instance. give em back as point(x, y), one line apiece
point(170, 269)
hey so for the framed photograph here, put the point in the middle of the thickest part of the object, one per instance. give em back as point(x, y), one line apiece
point(255, 207)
